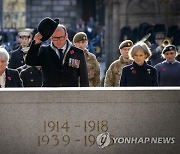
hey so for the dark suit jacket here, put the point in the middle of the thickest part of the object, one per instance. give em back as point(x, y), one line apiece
point(54, 73)
point(31, 77)
point(16, 59)
point(135, 75)
point(12, 78)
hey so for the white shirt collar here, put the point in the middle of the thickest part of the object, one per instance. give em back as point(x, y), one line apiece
point(3, 80)
point(56, 49)
point(171, 62)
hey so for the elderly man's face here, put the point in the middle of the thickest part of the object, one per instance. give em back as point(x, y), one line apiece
point(3, 64)
point(59, 37)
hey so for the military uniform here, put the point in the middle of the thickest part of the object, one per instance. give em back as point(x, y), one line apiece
point(168, 71)
point(17, 56)
point(114, 72)
point(17, 59)
point(93, 69)
point(92, 63)
point(31, 77)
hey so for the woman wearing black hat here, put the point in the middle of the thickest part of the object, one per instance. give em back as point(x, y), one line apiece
point(139, 73)
point(63, 65)
point(169, 70)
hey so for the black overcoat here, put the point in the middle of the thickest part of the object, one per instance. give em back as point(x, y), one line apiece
point(56, 74)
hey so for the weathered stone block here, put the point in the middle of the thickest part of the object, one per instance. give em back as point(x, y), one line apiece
point(68, 120)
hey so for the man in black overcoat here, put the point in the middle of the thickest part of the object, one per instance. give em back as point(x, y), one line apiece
point(63, 65)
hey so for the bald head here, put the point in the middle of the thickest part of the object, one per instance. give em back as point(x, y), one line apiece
point(59, 36)
point(61, 27)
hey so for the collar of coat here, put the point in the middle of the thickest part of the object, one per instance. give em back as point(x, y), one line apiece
point(142, 67)
point(65, 51)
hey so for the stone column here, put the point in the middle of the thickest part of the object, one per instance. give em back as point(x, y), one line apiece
point(165, 11)
point(115, 30)
point(108, 28)
point(1, 13)
point(111, 31)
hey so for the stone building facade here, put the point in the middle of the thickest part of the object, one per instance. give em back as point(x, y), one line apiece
point(69, 11)
point(63, 9)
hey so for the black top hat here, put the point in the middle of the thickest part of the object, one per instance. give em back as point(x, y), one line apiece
point(46, 27)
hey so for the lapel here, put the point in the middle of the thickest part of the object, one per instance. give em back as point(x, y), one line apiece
point(54, 56)
point(68, 47)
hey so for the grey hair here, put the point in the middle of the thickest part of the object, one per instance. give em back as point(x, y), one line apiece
point(4, 53)
point(63, 27)
point(140, 46)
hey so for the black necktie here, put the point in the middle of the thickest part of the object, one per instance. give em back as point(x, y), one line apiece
point(61, 55)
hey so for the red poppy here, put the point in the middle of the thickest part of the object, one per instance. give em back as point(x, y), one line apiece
point(72, 52)
point(133, 71)
point(164, 69)
point(9, 78)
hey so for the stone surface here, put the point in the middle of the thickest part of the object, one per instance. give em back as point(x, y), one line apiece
point(54, 9)
point(68, 120)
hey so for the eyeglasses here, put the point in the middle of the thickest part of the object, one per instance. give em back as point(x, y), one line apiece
point(58, 38)
point(170, 53)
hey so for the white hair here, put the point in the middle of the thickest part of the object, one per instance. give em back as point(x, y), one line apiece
point(4, 53)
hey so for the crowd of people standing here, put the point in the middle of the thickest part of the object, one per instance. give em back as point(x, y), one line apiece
point(61, 62)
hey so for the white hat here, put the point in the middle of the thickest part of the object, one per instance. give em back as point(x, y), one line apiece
point(24, 33)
